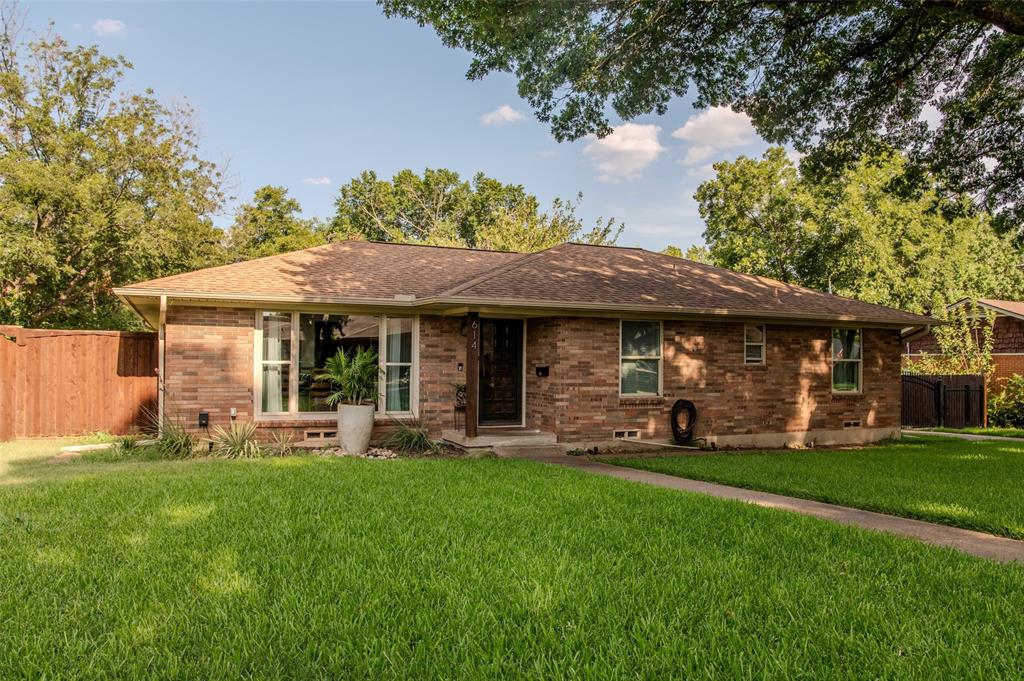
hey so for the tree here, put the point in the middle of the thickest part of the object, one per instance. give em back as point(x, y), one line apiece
point(863, 235)
point(837, 79)
point(270, 224)
point(759, 218)
point(695, 253)
point(98, 187)
point(440, 208)
point(965, 344)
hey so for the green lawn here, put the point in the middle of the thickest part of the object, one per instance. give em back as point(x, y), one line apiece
point(977, 485)
point(998, 432)
point(307, 567)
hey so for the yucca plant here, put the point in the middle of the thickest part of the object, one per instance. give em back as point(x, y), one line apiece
point(237, 441)
point(281, 444)
point(353, 377)
point(174, 440)
point(411, 437)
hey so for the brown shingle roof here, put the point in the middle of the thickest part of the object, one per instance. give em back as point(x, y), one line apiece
point(357, 269)
point(564, 277)
point(576, 273)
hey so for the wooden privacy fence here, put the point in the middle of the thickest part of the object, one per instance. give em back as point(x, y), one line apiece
point(72, 382)
point(943, 401)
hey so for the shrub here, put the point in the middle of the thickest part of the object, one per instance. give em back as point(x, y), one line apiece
point(126, 445)
point(237, 441)
point(1006, 409)
point(281, 444)
point(411, 437)
point(175, 441)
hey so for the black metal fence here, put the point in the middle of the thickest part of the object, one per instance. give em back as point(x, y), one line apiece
point(943, 401)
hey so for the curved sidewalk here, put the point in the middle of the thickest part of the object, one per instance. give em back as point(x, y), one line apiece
point(975, 543)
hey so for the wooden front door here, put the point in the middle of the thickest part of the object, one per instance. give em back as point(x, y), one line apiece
point(501, 366)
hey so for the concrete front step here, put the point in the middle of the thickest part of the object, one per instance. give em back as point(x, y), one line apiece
point(529, 451)
point(490, 439)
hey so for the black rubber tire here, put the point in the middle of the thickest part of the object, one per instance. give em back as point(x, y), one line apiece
point(682, 435)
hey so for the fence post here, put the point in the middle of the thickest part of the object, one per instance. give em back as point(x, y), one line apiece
point(940, 400)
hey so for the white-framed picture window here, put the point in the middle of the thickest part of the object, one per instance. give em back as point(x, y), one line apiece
point(293, 347)
point(640, 358)
point(847, 360)
point(754, 344)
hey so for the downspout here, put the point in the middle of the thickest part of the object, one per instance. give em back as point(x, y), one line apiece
point(161, 334)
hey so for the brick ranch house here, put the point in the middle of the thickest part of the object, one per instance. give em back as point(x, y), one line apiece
point(1007, 339)
point(579, 343)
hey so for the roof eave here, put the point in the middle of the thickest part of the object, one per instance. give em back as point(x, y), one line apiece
point(438, 303)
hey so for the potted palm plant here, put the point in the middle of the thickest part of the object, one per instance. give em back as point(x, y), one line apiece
point(354, 382)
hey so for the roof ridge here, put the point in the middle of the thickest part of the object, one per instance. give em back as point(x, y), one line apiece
point(501, 269)
point(450, 248)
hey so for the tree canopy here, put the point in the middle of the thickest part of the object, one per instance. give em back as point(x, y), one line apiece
point(438, 207)
point(839, 80)
point(270, 224)
point(864, 235)
point(98, 187)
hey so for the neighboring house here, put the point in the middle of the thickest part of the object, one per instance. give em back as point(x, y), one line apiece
point(586, 343)
point(1007, 339)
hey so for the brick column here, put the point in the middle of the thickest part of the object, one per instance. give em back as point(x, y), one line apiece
point(472, 372)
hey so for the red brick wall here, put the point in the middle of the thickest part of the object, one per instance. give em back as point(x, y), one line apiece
point(208, 363)
point(1006, 366)
point(442, 349)
point(703, 362)
point(541, 350)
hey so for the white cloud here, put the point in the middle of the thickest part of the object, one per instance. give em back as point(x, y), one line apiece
point(503, 115)
point(623, 154)
point(714, 130)
point(110, 27)
point(321, 181)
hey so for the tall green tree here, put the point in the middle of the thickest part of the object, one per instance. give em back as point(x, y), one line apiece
point(440, 208)
point(836, 79)
point(98, 187)
point(271, 223)
point(864, 235)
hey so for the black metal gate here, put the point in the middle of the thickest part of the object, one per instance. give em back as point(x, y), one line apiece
point(943, 401)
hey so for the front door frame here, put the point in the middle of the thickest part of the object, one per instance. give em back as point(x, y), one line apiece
point(522, 378)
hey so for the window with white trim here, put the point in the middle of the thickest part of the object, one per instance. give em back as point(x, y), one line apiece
point(753, 344)
point(295, 346)
point(276, 362)
point(397, 361)
point(846, 360)
point(640, 359)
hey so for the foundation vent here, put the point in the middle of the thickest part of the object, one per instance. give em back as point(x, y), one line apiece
point(851, 424)
point(626, 434)
point(320, 434)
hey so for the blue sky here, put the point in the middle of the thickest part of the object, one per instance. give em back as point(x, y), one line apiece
point(308, 95)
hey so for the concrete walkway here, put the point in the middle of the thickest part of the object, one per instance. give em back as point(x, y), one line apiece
point(964, 436)
point(975, 543)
